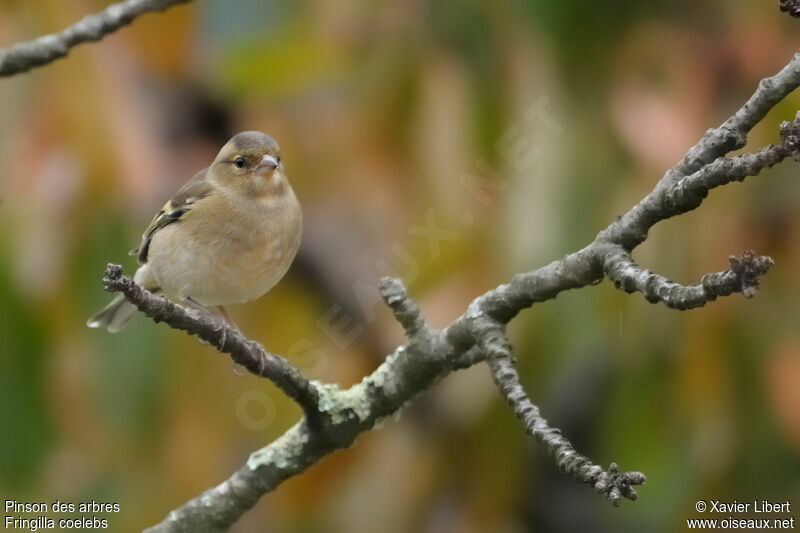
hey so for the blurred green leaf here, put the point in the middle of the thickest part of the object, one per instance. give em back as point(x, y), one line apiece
point(25, 417)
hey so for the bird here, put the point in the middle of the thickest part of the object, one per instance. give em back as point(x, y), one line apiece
point(227, 236)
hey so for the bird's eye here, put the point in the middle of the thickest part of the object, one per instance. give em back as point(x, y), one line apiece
point(239, 162)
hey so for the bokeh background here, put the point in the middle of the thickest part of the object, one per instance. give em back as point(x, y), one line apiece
point(385, 111)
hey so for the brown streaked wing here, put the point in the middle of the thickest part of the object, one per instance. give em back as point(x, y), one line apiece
point(192, 191)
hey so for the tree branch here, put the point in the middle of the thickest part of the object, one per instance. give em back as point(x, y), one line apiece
point(347, 413)
point(613, 484)
point(224, 338)
point(631, 229)
point(45, 49)
point(479, 334)
point(405, 310)
point(742, 277)
point(335, 417)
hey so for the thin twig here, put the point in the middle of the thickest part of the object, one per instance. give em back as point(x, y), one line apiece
point(613, 484)
point(742, 277)
point(45, 49)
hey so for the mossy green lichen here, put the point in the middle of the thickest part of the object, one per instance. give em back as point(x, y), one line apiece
point(283, 451)
point(343, 404)
point(385, 376)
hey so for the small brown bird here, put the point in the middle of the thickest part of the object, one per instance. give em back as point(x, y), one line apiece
point(227, 236)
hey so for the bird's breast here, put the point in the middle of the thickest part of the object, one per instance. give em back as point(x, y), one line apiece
point(219, 262)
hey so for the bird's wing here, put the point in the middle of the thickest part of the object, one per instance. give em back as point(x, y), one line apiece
point(192, 191)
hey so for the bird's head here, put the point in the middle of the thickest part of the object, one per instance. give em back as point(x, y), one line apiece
point(250, 165)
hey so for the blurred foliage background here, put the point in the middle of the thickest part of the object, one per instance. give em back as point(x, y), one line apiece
point(382, 109)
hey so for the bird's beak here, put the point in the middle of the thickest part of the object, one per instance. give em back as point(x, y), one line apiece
point(267, 164)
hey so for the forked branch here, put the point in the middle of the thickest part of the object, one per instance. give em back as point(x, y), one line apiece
point(335, 417)
point(479, 334)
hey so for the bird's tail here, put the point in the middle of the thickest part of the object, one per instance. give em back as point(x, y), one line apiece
point(114, 316)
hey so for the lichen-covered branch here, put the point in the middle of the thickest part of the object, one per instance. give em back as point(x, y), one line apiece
point(478, 335)
point(431, 354)
point(224, 338)
point(346, 413)
point(43, 50)
point(334, 417)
